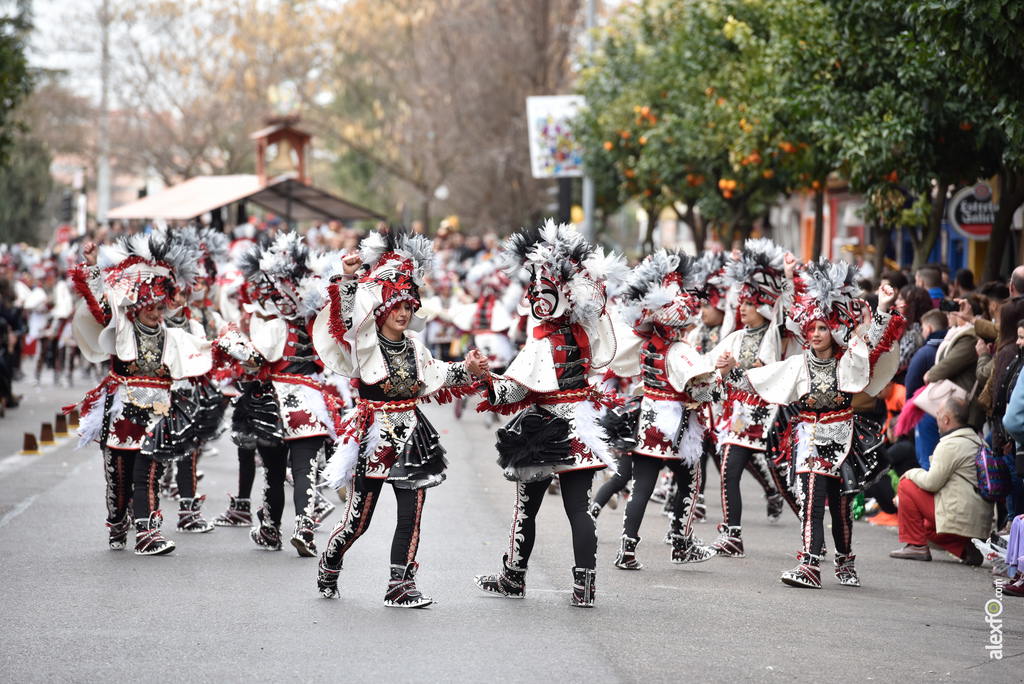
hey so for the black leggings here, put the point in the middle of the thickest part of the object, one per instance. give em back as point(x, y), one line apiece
point(301, 454)
point(186, 475)
point(712, 453)
point(645, 477)
point(575, 488)
point(736, 459)
point(362, 501)
point(617, 482)
point(246, 472)
point(816, 489)
point(132, 479)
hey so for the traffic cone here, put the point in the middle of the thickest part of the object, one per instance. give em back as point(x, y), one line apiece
point(30, 446)
point(73, 418)
point(46, 435)
point(60, 425)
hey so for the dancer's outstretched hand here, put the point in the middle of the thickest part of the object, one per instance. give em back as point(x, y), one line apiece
point(477, 363)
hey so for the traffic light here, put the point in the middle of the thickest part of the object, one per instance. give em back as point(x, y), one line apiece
point(66, 207)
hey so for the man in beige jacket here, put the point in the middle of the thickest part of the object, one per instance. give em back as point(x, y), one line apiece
point(942, 505)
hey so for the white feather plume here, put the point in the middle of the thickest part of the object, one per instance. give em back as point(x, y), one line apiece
point(590, 432)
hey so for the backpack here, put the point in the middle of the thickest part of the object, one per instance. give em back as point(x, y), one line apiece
point(994, 482)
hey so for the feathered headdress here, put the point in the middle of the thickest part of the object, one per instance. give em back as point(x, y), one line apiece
point(828, 292)
point(398, 262)
point(275, 275)
point(140, 269)
point(710, 283)
point(659, 290)
point(757, 274)
point(569, 274)
point(215, 246)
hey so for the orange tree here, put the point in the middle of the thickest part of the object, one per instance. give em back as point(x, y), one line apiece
point(900, 123)
point(980, 45)
point(704, 104)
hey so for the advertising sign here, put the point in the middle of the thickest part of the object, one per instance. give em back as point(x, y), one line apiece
point(554, 150)
point(972, 212)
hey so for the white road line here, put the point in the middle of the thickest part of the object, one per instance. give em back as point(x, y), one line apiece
point(18, 509)
point(17, 461)
point(22, 506)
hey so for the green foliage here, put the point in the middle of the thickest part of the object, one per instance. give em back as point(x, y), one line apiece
point(25, 184)
point(707, 103)
point(15, 78)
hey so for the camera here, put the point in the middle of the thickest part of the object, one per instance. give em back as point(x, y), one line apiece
point(948, 306)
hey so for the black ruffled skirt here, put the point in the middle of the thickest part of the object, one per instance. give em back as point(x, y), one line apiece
point(174, 436)
point(534, 438)
point(621, 424)
point(866, 464)
point(868, 461)
point(256, 420)
point(210, 417)
point(421, 463)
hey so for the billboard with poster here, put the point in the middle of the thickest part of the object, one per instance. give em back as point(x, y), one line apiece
point(554, 150)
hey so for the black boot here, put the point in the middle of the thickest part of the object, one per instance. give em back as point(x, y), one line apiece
point(510, 582)
point(117, 535)
point(239, 514)
point(266, 534)
point(627, 554)
point(846, 573)
point(327, 578)
point(689, 549)
point(402, 591)
point(583, 587)
point(321, 508)
point(302, 539)
point(190, 519)
point(148, 540)
point(807, 574)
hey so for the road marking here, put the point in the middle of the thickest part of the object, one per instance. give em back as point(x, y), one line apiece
point(22, 506)
point(18, 510)
point(19, 460)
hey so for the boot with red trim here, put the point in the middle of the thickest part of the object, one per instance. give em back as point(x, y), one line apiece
point(402, 591)
point(807, 574)
point(148, 540)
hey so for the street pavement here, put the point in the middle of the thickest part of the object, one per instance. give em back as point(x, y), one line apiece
point(221, 610)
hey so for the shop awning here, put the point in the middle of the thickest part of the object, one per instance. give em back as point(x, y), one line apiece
point(286, 197)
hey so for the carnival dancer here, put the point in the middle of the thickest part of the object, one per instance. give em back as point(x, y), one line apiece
point(678, 384)
point(132, 413)
point(762, 276)
point(192, 315)
point(490, 318)
point(286, 412)
point(556, 428)
point(386, 438)
point(710, 329)
point(834, 454)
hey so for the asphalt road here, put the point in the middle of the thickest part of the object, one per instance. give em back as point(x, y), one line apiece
point(218, 609)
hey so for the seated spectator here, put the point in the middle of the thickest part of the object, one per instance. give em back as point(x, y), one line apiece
point(941, 505)
point(997, 294)
point(934, 325)
point(894, 279)
point(930, 278)
point(963, 283)
point(957, 360)
point(914, 302)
